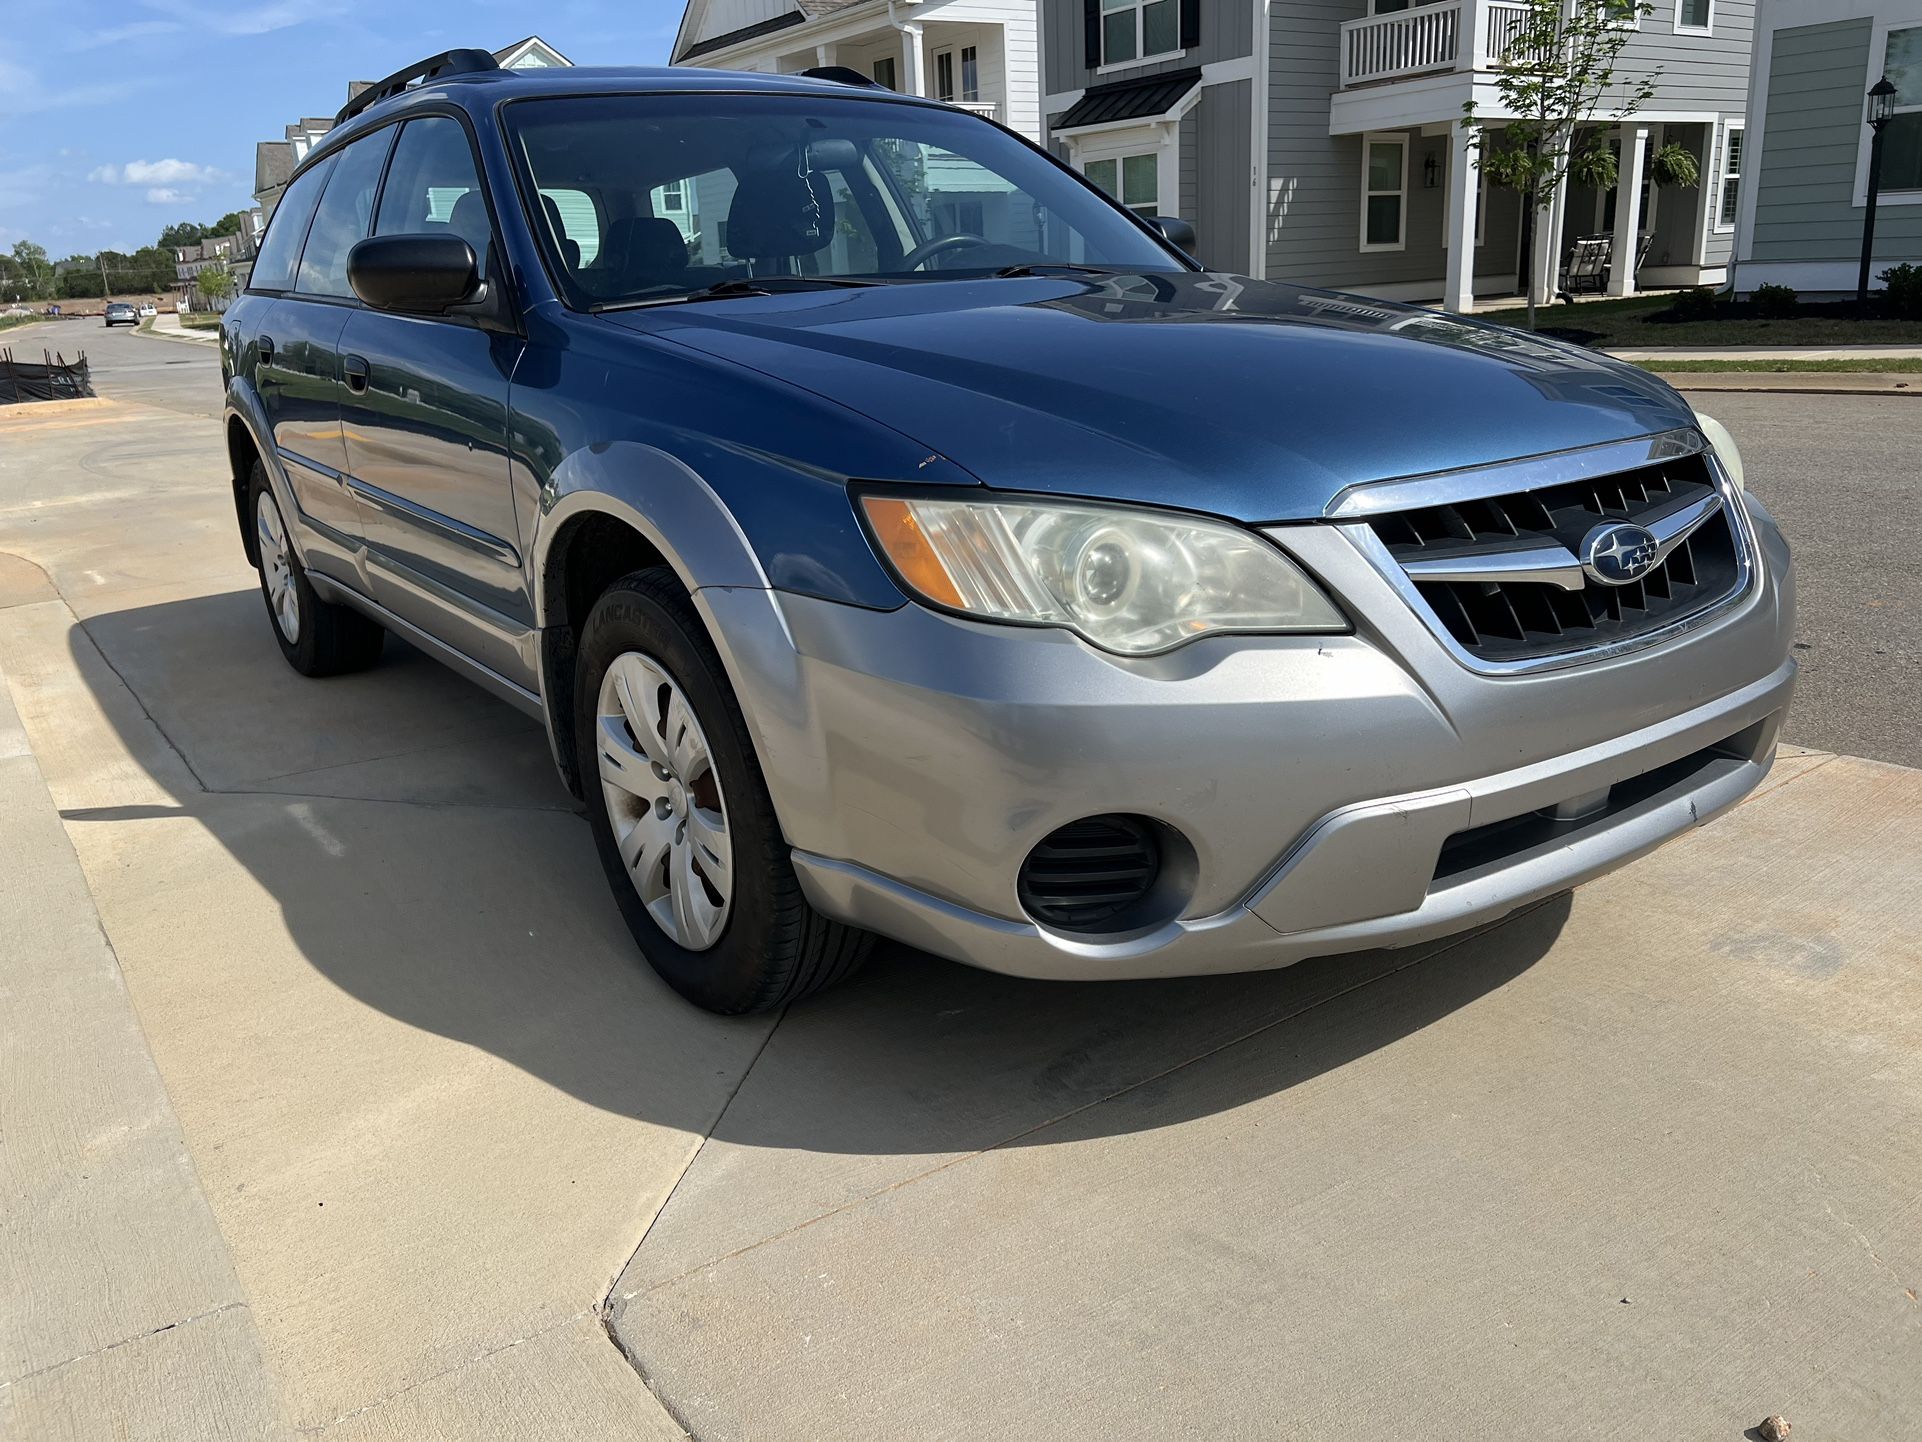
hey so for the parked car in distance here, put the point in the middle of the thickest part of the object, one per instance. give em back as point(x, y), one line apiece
point(118, 312)
point(897, 536)
point(146, 309)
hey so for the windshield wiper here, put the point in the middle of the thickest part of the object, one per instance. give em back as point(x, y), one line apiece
point(743, 285)
point(1044, 267)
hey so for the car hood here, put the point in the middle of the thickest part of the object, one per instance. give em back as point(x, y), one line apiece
point(1242, 398)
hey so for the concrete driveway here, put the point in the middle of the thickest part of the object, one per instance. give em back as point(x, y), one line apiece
point(334, 1100)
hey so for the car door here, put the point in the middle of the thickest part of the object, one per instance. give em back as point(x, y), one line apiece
point(425, 412)
point(296, 374)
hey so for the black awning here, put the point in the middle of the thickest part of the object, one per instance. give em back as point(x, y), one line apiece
point(1143, 99)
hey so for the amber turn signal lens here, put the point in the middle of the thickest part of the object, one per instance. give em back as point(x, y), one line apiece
point(907, 546)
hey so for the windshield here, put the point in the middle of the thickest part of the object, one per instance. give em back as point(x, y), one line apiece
point(652, 198)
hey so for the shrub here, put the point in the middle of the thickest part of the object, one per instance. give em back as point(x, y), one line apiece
point(1904, 294)
point(1699, 304)
point(1776, 302)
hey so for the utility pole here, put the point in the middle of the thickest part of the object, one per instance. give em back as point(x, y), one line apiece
point(101, 260)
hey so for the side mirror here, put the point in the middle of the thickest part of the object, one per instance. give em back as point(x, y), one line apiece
point(1176, 230)
point(414, 274)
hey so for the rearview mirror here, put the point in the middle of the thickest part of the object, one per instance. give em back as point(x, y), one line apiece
point(414, 274)
point(1176, 230)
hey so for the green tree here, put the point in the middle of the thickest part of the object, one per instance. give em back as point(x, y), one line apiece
point(30, 273)
point(1557, 85)
point(216, 282)
point(234, 222)
point(152, 268)
point(183, 232)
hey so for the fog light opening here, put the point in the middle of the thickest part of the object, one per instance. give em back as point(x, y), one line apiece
point(1106, 874)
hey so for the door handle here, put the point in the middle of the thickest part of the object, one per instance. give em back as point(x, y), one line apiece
point(353, 370)
point(265, 345)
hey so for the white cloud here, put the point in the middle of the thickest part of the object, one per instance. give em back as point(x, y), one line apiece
point(156, 172)
point(257, 19)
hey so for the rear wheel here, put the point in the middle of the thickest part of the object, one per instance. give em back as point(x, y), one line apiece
point(681, 814)
point(317, 637)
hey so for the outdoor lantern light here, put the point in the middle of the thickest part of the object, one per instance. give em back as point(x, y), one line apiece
point(1882, 103)
point(1881, 112)
point(1430, 172)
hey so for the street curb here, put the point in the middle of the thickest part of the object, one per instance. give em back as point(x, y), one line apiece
point(212, 339)
point(1840, 383)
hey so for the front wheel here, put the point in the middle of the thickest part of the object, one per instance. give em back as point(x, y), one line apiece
point(317, 637)
point(681, 814)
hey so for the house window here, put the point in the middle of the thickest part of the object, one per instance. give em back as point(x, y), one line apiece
point(970, 73)
point(1696, 15)
point(1728, 195)
point(1625, 13)
point(1902, 136)
point(1139, 29)
point(884, 73)
point(1384, 192)
point(1134, 180)
point(944, 75)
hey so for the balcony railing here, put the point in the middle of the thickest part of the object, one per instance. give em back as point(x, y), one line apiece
point(1429, 38)
point(1409, 42)
point(987, 108)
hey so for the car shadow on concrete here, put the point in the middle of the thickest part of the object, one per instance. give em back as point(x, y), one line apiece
point(486, 919)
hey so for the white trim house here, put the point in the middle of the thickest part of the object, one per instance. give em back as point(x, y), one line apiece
point(1805, 156)
point(1322, 140)
point(978, 54)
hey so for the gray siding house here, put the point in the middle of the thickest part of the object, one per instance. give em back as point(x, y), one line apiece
point(1807, 148)
point(1322, 141)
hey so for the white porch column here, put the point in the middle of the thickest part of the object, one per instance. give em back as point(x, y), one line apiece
point(913, 60)
point(1628, 210)
point(824, 55)
point(1465, 197)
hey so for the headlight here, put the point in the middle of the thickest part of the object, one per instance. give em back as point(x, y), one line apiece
point(1134, 582)
point(1725, 448)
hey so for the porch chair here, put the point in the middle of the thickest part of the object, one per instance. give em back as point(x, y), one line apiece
point(1587, 269)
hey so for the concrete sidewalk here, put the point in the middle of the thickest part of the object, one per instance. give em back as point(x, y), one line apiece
point(166, 326)
point(1640, 1160)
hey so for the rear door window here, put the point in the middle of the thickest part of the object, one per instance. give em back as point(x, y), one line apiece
point(345, 217)
point(280, 250)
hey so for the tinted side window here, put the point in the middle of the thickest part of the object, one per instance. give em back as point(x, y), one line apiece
point(280, 250)
point(345, 216)
point(433, 188)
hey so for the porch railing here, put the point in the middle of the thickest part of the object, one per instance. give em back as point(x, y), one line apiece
point(1408, 42)
point(987, 108)
point(1429, 38)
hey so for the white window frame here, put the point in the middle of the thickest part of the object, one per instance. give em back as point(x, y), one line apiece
point(1137, 6)
point(1162, 139)
point(1634, 22)
point(1729, 128)
point(1368, 142)
point(1878, 60)
point(1681, 29)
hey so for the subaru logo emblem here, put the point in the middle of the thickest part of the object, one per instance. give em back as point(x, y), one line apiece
point(1618, 552)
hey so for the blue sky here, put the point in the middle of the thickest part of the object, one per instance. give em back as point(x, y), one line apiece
point(118, 117)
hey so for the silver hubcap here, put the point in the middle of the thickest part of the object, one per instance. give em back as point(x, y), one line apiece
point(664, 801)
point(277, 568)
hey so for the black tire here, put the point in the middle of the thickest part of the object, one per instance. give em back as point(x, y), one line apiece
point(329, 640)
point(774, 947)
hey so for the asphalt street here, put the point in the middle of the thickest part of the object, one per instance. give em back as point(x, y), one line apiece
point(1839, 472)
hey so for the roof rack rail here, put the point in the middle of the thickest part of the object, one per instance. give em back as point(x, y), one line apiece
point(434, 67)
point(841, 75)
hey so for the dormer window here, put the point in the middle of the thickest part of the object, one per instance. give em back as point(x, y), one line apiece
point(1139, 30)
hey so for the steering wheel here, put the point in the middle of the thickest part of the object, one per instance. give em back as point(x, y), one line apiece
point(927, 251)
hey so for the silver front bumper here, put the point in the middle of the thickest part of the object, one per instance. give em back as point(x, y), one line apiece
point(914, 760)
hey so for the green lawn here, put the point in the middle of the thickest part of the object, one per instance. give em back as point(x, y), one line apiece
point(200, 320)
point(1648, 320)
point(8, 322)
point(1876, 365)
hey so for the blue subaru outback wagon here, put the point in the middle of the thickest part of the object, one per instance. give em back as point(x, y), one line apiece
point(897, 536)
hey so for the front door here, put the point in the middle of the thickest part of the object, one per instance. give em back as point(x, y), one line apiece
point(424, 410)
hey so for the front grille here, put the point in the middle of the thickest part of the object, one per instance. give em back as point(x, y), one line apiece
point(1517, 619)
point(1082, 876)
